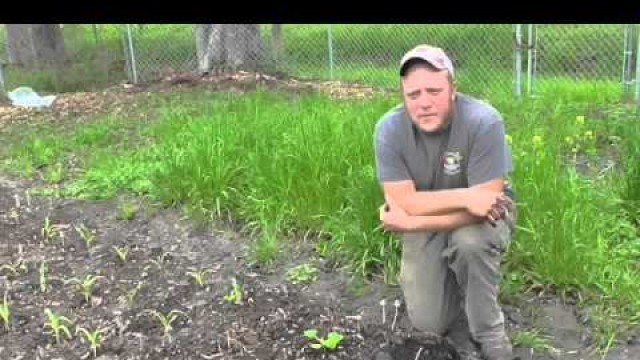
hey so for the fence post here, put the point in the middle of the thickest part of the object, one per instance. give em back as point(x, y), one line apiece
point(131, 55)
point(531, 45)
point(518, 60)
point(637, 91)
point(626, 59)
point(330, 44)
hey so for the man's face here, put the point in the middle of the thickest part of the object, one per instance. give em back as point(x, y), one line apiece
point(428, 97)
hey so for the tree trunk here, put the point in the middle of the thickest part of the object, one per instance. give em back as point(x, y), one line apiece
point(224, 46)
point(277, 44)
point(35, 45)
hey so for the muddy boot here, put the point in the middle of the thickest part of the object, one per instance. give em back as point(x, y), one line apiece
point(464, 344)
point(460, 337)
point(499, 349)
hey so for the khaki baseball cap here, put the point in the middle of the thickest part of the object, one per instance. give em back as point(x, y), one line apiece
point(431, 54)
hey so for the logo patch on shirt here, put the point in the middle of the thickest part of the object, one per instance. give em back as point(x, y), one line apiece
point(452, 161)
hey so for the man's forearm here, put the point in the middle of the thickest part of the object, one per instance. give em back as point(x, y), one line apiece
point(430, 203)
point(444, 222)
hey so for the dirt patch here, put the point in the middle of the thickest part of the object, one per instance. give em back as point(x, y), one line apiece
point(267, 322)
point(121, 99)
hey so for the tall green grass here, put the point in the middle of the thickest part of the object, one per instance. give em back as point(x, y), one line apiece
point(303, 163)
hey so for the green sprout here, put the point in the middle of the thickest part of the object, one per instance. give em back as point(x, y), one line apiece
point(5, 312)
point(127, 211)
point(87, 235)
point(331, 342)
point(56, 323)
point(123, 253)
point(133, 293)
point(94, 338)
point(15, 268)
point(55, 174)
point(160, 259)
point(533, 339)
point(166, 320)
point(86, 285)
point(49, 231)
point(302, 274)
point(199, 275)
point(236, 294)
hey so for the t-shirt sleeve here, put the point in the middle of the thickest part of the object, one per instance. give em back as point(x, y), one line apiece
point(390, 164)
point(490, 156)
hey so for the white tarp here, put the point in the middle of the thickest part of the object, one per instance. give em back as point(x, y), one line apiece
point(26, 97)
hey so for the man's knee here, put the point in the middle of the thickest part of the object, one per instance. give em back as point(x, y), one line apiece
point(472, 239)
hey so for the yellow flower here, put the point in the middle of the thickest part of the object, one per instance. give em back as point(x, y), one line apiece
point(537, 140)
point(580, 119)
point(588, 135)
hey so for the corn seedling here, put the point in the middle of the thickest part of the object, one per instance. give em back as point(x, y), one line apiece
point(160, 260)
point(86, 285)
point(122, 252)
point(166, 320)
point(331, 342)
point(15, 269)
point(133, 293)
point(302, 274)
point(44, 277)
point(236, 294)
point(5, 312)
point(94, 338)
point(49, 231)
point(199, 276)
point(87, 235)
point(56, 324)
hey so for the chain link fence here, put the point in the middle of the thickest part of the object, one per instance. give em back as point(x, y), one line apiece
point(525, 60)
point(597, 57)
point(60, 58)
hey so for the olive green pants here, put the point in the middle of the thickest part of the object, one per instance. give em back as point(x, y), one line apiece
point(447, 275)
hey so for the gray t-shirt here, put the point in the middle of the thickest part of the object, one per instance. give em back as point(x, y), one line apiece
point(472, 150)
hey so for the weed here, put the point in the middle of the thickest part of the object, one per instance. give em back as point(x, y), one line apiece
point(55, 174)
point(302, 274)
point(331, 342)
point(533, 339)
point(127, 211)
